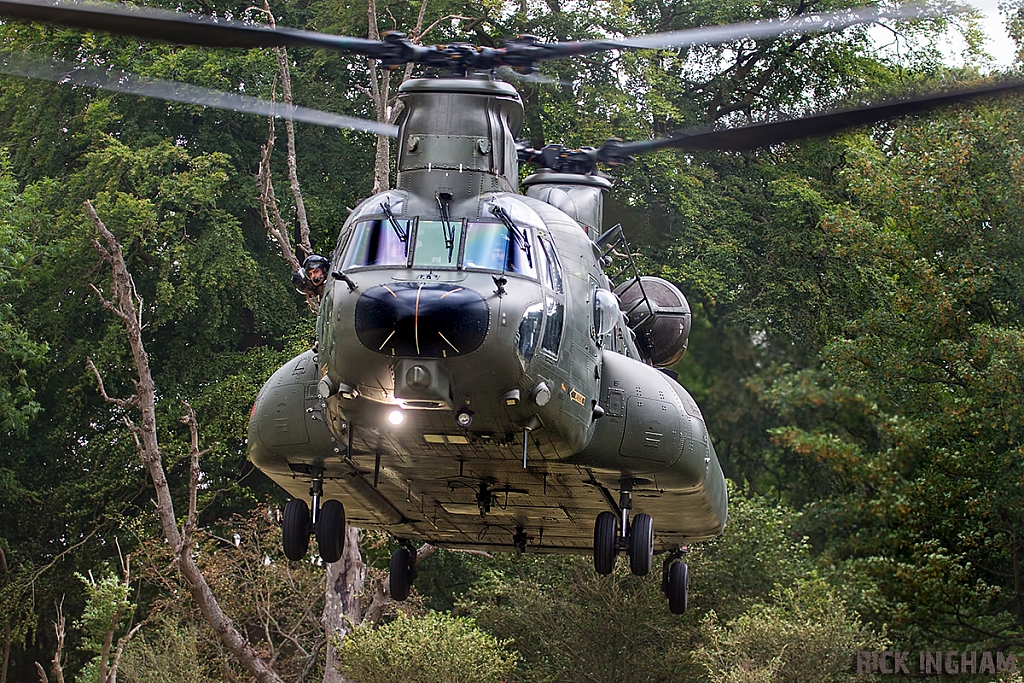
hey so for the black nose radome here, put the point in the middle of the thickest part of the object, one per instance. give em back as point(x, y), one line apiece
point(421, 320)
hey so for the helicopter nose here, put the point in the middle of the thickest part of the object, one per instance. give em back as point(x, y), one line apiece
point(421, 320)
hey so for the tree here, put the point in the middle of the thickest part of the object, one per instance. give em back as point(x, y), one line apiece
point(124, 304)
point(914, 413)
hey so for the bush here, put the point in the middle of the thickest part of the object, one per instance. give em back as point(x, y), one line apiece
point(434, 648)
point(805, 634)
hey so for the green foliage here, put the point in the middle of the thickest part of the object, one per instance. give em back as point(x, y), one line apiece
point(569, 623)
point(804, 634)
point(434, 648)
point(914, 416)
point(107, 607)
point(20, 354)
point(165, 652)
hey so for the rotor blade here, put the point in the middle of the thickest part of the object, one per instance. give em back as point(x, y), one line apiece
point(768, 28)
point(772, 133)
point(119, 81)
point(510, 74)
point(178, 27)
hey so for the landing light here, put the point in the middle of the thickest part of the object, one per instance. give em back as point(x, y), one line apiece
point(396, 417)
point(464, 418)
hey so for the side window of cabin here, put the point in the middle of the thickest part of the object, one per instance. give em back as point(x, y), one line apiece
point(554, 314)
point(378, 243)
point(491, 246)
point(529, 331)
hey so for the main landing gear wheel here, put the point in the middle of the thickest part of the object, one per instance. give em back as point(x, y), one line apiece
point(677, 586)
point(402, 573)
point(295, 530)
point(330, 531)
point(606, 544)
point(641, 544)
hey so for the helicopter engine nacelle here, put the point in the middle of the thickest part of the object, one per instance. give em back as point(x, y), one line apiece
point(659, 315)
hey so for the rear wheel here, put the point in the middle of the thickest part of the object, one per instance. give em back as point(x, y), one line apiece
point(678, 587)
point(401, 577)
point(641, 544)
point(295, 529)
point(330, 531)
point(605, 542)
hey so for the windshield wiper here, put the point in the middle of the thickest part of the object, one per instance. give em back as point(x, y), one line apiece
point(518, 235)
point(444, 200)
point(403, 234)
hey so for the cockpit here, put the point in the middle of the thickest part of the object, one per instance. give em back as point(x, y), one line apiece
point(438, 244)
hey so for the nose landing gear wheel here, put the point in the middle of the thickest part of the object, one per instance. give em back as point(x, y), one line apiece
point(295, 529)
point(641, 544)
point(402, 573)
point(677, 587)
point(606, 544)
point(330, 531)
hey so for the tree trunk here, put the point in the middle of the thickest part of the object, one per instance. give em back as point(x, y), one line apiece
point(343, 608)
point(127, 305)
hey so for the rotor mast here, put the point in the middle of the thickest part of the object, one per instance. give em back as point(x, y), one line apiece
point(457, 139)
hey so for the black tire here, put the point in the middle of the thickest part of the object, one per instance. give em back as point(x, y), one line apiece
point(606, 545)
point(400, 579)
point(295, 529)
point(678, 587)
point(330, 531)
point(641, 544)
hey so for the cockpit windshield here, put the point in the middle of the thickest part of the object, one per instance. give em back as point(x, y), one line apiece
point(377, 243)
point(492, 246)
point(439, 244)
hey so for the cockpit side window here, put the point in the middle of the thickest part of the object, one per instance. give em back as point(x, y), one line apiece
point(553, 271)
point(491, 246)
point(378, 243)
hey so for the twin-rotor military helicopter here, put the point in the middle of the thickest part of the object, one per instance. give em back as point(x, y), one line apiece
point(488, 372)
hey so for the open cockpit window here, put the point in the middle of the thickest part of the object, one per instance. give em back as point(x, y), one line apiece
point(493, 246)
point(379, 243)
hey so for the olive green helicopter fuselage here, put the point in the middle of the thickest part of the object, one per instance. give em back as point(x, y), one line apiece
point(479, 382)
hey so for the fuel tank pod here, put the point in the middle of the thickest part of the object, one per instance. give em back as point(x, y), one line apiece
point(652, 427)
point(287, 430)
point(653, 432)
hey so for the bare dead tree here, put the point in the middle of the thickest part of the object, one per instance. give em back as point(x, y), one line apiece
point(268, 201)
point(126, 304)
point(55, 665)
point(386, 105)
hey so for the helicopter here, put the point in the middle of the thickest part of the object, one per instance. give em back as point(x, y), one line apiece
point(491, 367)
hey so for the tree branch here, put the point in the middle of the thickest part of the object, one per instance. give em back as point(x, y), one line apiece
point(149, 452)
point(119, 402)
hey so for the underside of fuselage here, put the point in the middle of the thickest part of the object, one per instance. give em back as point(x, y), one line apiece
point(428, 480)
